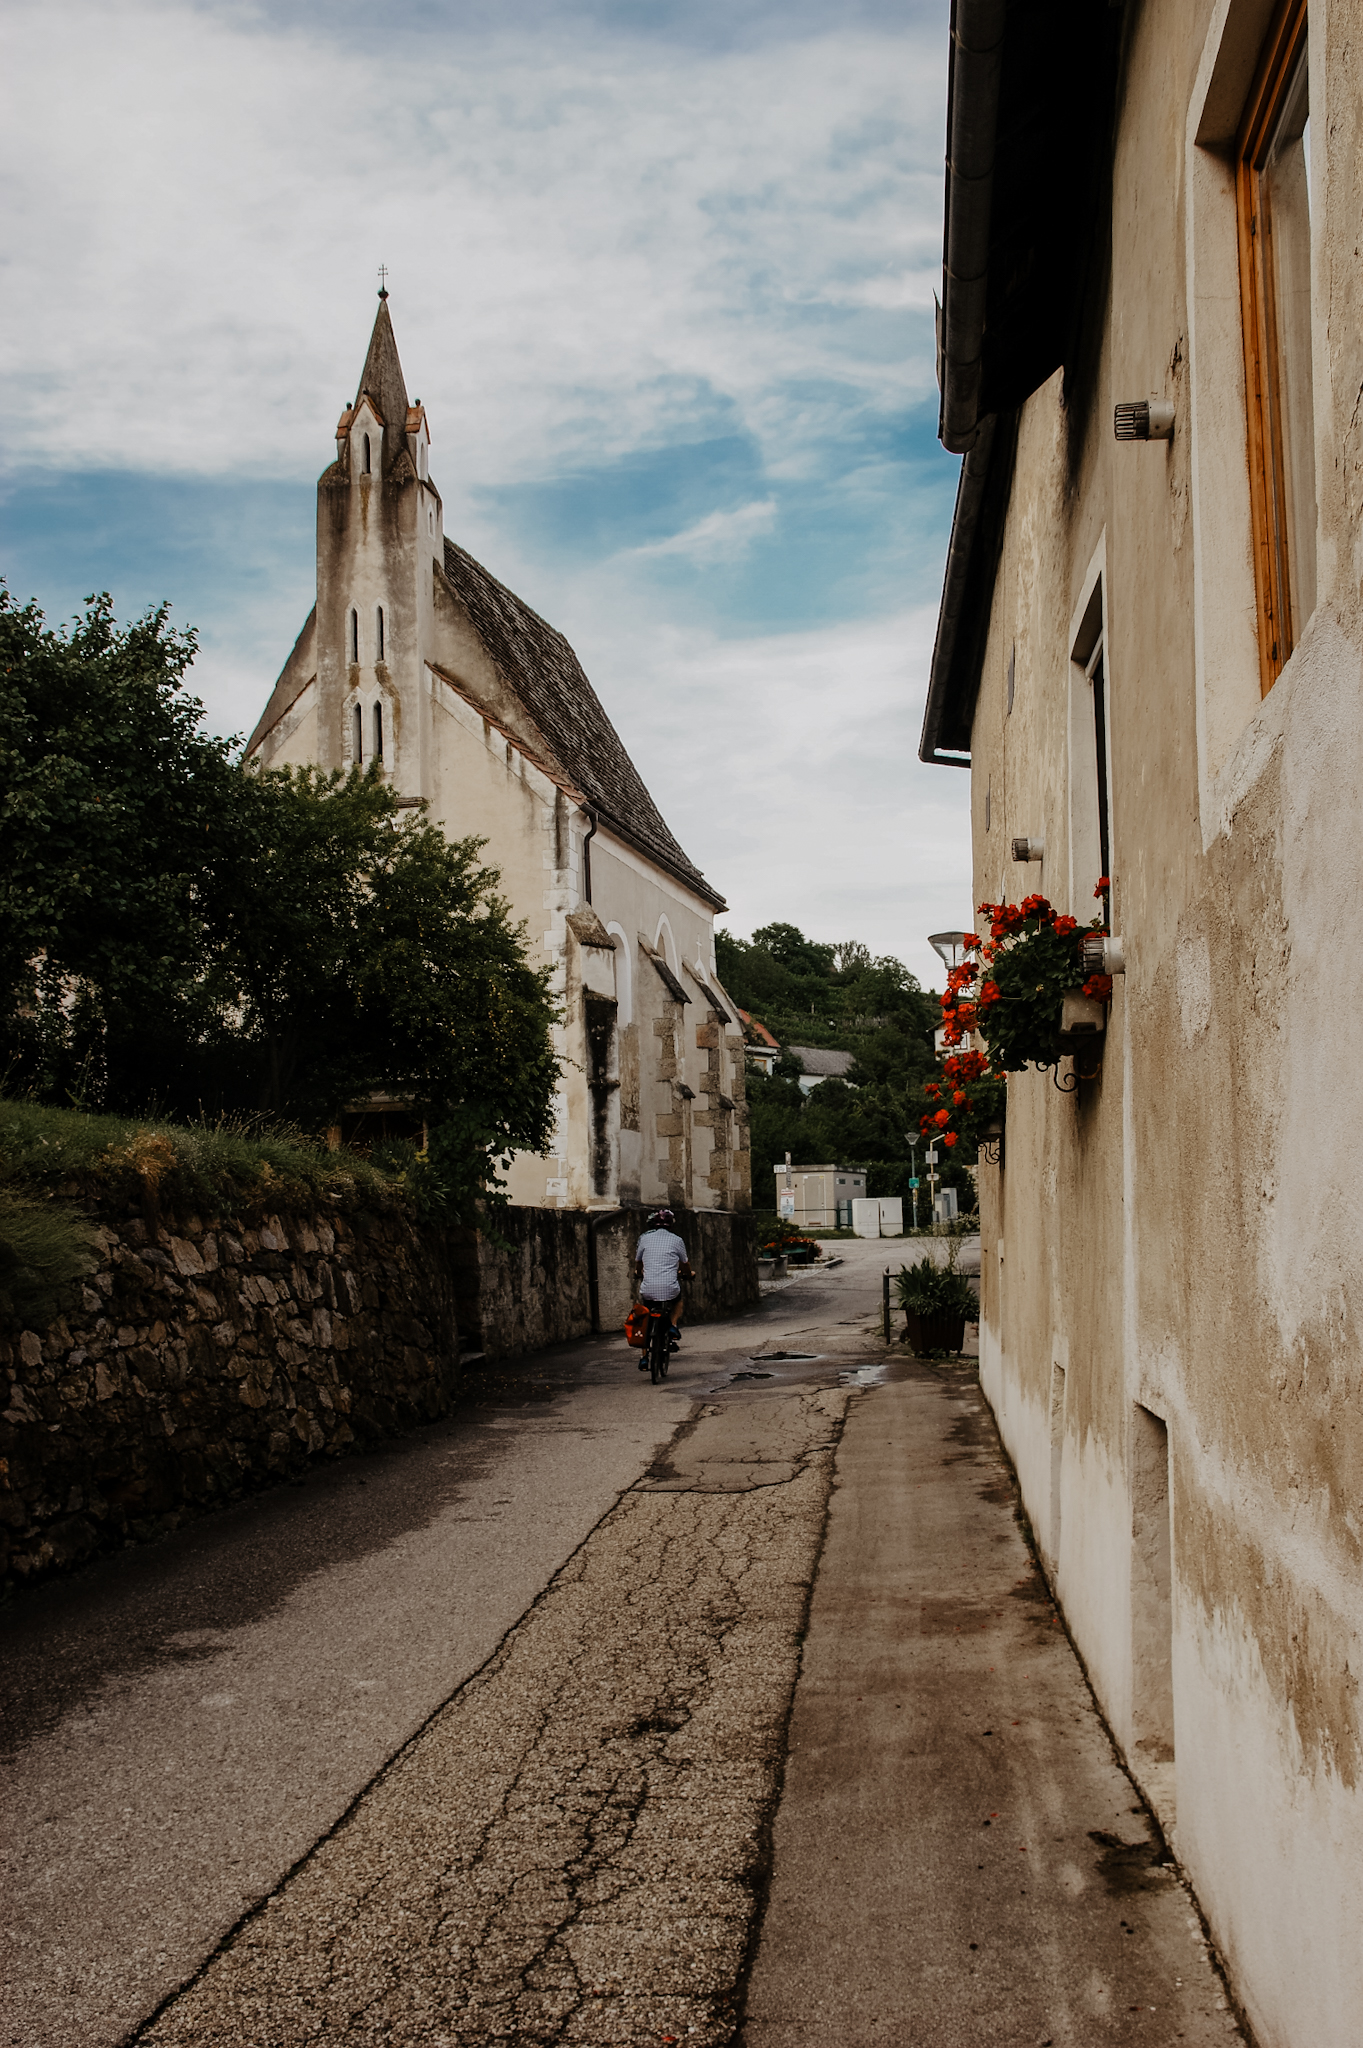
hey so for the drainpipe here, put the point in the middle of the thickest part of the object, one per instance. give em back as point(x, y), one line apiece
point(587, 839)
point(972, 122)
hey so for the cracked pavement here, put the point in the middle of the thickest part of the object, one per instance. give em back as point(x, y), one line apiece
point(570, 1851)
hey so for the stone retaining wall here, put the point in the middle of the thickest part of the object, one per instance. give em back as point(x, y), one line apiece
point(210, 1359)
point(562, 1273)
point(208, 1362)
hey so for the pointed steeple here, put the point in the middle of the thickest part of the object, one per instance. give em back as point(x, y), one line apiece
point(382, 378)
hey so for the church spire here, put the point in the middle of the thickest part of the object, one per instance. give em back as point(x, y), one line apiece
point(382, 378)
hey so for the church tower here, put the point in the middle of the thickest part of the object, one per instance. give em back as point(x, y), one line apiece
point(379, 529)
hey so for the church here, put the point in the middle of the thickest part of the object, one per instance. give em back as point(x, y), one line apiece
point(414, 657)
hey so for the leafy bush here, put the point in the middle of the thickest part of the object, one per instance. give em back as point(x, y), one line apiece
point(927, 1289)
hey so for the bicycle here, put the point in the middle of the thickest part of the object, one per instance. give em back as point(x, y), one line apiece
point(658, 1343)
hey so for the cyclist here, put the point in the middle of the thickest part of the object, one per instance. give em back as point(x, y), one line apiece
point(658, 1261)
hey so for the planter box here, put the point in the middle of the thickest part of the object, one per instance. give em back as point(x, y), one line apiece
point(934, 1333)
point(1082, 1018)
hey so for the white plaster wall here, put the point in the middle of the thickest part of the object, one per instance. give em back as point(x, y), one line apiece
point(1183, 1235)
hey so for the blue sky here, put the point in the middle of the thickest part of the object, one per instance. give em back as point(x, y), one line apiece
point(663, 277)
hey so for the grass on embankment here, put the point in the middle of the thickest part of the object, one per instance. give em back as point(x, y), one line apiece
point(52, 1159)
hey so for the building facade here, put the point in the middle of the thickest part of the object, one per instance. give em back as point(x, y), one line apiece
point(416, 658)
point(1150, 658)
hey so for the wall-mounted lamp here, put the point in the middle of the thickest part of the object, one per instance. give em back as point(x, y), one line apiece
point(1029, 849)
point(1144, 419)
point(1102, 955)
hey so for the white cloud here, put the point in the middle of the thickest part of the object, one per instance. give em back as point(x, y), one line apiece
point(787, 766)
point(594, 246)
point(716, 538)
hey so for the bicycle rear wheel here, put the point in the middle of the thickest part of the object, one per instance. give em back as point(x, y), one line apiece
point(657, 1348)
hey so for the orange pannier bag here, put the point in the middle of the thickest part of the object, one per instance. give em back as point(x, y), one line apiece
point(636, 1326)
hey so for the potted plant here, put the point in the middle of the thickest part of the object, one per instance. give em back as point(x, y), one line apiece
point(1025, 991)
point(937, 1302)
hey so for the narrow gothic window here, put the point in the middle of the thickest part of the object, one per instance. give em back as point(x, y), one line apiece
point(368, 461)
point(354, 636)
point(359, 736)
point(380, 631)
point(378, 732)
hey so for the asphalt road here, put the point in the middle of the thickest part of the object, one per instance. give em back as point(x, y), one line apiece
point(482, 1737)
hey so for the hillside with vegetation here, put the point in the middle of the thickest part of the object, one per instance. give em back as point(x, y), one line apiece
point(844, 998)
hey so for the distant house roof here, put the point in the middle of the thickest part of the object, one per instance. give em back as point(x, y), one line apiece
point(549, 679)
point(760, 1028)
point(817, 1059)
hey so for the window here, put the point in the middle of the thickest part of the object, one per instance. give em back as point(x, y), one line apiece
point(368, 458)
point(378, 732)
point(354, 636)
point(1098, 685)
point(357, 738)
point(1090, 766)
point(1273, 191)
point(379, 629)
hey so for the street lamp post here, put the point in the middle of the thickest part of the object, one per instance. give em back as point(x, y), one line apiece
point(912, 1141)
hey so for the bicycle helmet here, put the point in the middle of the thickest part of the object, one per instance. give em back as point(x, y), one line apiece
point(661, 1219)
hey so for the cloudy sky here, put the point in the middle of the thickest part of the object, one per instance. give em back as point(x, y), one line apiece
point(662, 275)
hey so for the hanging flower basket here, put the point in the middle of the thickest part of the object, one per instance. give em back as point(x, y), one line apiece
point(1025, 991)
point(966, 1106)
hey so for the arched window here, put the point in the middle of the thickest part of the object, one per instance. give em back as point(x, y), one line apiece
point(379, 618)
point(368, 458)
point(378, 732)
point(359, 736)
point(354, 636)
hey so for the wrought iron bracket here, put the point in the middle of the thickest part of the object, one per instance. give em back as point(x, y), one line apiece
point(1076, 1074)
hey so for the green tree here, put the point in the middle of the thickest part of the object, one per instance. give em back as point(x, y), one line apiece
point(110, 797)
point(356, 948)
point(176, 928)
point(845, 997)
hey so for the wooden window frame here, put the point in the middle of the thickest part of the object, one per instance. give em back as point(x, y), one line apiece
point(1267, 480)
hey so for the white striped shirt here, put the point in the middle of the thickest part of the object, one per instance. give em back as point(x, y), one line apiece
point(660, 1253)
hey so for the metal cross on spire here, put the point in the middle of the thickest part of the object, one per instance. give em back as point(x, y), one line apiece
point(383, 280)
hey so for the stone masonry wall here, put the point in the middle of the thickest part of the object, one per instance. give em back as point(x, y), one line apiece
point(537, 1288)
point(208, 1360)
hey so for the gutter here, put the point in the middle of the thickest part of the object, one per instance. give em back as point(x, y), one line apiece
point(963, 621)
point(972, 121)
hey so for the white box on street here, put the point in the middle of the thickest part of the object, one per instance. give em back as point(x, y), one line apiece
point(892, 1216)
point(866, 1218)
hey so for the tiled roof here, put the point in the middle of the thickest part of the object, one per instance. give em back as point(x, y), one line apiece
point(761, 1028)
point(817, 1059)
point(540, 666)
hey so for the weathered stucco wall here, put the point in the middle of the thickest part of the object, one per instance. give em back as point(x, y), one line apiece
point(1171, 1284)
point(209, 1362)
point(561, 1273)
